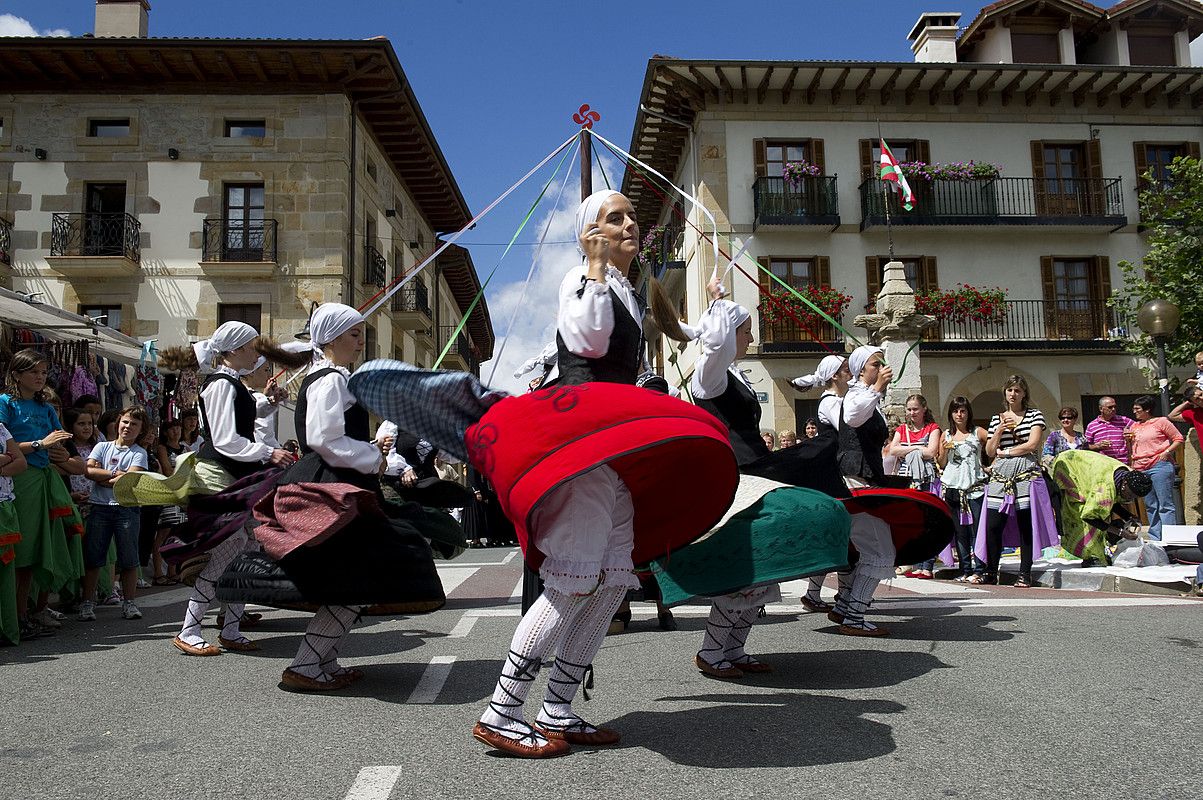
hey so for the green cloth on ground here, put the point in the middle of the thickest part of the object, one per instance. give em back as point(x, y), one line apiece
point(788, 533)
point(1087, 483)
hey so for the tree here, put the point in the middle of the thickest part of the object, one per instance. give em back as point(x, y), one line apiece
point(1173, 266)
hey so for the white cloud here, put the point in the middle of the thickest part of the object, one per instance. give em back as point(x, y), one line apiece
point(534, 324)
point(12, 25)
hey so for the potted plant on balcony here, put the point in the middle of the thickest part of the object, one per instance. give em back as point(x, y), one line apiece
point(656, 249)
point(796, 172)
point(964, 304)
point(958, 189)
point(783, 306)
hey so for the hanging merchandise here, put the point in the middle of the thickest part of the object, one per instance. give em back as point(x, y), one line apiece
point(186, 391)
point(148, 383)
point(83, 383)
point(118, 385)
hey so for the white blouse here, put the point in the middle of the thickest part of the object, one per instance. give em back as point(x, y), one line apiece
point(585, 323)
point(219, 418)
point(327, 400)
point(716, 363)
point(265, 420)
point(860, 403)
point(829, 409)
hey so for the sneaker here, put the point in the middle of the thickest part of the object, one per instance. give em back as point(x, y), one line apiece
point(114, 599)
point(130, 611)
point(87, 611)
point(58, 615)
point(143, 583)
point(45, 620)
point(28, 629)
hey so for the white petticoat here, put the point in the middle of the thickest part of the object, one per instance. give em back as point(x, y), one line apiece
point(873, 541)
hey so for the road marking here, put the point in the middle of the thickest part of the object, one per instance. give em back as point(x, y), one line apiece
point(509, 558)
point(374, 783)
point(452, 577)
point(516, 595)
point(431, 683)
point(463, 627)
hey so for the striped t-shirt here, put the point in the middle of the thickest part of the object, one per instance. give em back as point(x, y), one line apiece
point(1023, 430)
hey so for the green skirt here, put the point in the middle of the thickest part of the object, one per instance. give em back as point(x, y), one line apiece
point(10, 534)
point(192, 475)
point(787, 533)
point(50, 528)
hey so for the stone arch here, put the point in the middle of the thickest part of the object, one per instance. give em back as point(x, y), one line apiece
point(983, 387)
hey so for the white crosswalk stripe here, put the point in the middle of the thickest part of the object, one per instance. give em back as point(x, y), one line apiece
point(374, 783)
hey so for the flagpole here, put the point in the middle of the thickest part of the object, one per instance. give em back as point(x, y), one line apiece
point(885, 195)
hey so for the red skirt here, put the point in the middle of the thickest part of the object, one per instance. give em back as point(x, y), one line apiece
point(673, 457)
point(920, 522)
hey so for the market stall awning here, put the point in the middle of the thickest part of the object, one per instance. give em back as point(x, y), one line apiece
point(58, 325)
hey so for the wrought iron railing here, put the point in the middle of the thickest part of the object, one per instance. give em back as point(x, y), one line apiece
point(412, 297)
point(239, 240)
point(789, 336)
point(375, 267)
point(96, 234)
point(667, 250)
point(807, 201)
point(1038, 325)
point(461, 346)
point(998, 201)
point(6, 242)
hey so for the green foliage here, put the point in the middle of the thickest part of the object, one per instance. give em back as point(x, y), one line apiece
point(1173, 266)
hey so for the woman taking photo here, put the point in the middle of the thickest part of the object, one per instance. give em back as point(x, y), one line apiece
point(1152, 442)
point(964, 480)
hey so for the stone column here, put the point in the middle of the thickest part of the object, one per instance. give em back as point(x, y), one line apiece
point(895, 328)
point(1192, 491)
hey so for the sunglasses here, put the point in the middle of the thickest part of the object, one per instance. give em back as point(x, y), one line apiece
point(1067, 419)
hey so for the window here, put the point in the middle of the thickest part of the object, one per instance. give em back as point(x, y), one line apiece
point(108, 128)
point(799, 272)
point(1152, 50)
point(771, 155)
point(1156, 158)
point(246, 128)
point(920, 273)
point(250, 313)
point(370, 167)
point(103, 315)
point(1068, 178)
point(244, 226)
point(369, 342)
point(1076, 289)
point(1035, 48)
point(904, 150)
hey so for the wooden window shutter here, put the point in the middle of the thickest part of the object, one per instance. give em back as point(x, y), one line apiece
point(1101, 286)
point(760, 158)
point(1192, 150)
point(822, 274)
point(1050, 296)
point(765, 283)
point(866, 159)
point(1140, 154)
point(817, 156)
point(929, 280)
point(872, 277)
point(1095, 194)
point(1094, 159)
point(1038, 163)
point(923, 151)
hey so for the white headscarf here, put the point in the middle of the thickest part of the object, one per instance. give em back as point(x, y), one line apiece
point(330, 321)
point(734, 311)
point(228, 336)
point(586, 213)
point(828, 367)
point(547, 357)
point(860, 356)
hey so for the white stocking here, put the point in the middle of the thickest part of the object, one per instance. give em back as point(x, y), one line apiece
point(220, 557)
point(859, 599)
point(718, 632)
point(738, 638)
point(325, 632)
point(845, 591)
point(538, 628)
point(816, 585)
point(574, 659)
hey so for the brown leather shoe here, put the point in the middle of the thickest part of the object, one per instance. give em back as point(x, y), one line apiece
point(291, 681)
point(752, 666)
point(205, 649)
point(237, 646)
point(596, 738)
point(499, 741)
point(851, 630)
point(835, 617)
point(817, 606)
point(727, 674)
point(249, 620)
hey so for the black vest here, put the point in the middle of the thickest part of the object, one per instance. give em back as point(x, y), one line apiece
point(356, 423)
point(860, 448)
point(621, 362)
point(244, 426)
point(738, 409)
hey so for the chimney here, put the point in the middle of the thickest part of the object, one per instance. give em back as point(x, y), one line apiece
point(934, 37)
point(117, 18)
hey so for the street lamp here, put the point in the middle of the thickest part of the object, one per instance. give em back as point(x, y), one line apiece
point(1159, 318)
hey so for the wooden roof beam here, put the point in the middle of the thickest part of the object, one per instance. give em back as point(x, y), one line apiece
point(193, 67)
point(1156, 90)
point(224, 66)
point(1104, 94)
point(912, 88)
point(28, 60)
point(1128, 95)
point(862, 88)
point(65, 66)
point(94, 63)
point(1085, 87)
point(1181, 90)
point(689, 88)
point(1009, 90)
point(160, 65)
point(743, 80)
point(933, 94)
point(1029, 95)
point(887, 89)
point(257, 66)
point(1196, 99)
point(290, 67)
point(958, 91)
point(838, 87)
point(763, 88)
point(814, 87)
point(1055, 93)
point(983, 91)
point(788, 89)
point(704, 82)
point(728, 89)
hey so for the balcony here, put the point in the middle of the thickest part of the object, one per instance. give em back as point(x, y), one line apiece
point(1065, 202)
point(246, 248)
point(375, 267)
point(809, 201)
point(1062, 325)
point(460, 356)
point(786, 337)
point(6, 243)
point(95, 245)
point(411, 307)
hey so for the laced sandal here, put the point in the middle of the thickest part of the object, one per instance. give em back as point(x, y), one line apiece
point(862, 630)
point(729, 673)
point(499, 739)
point(817, 606)
point(747, 663)
point(576, 731)
point(293, 681)
point(1022, 583)
point(243, 645)
point(205, 649)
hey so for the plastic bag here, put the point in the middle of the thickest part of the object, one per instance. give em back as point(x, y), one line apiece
point(1140, 554)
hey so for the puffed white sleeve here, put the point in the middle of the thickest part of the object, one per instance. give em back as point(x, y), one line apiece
point(586, 316)
point(265, 421)
point(219, 417)
point(325, 430)
point(829, 410)
point(860, 404)
point(717, 341)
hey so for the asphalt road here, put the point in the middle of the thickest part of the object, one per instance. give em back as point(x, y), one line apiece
point(980, 693)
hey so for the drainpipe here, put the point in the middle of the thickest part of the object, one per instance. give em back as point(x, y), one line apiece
point(349, 291)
